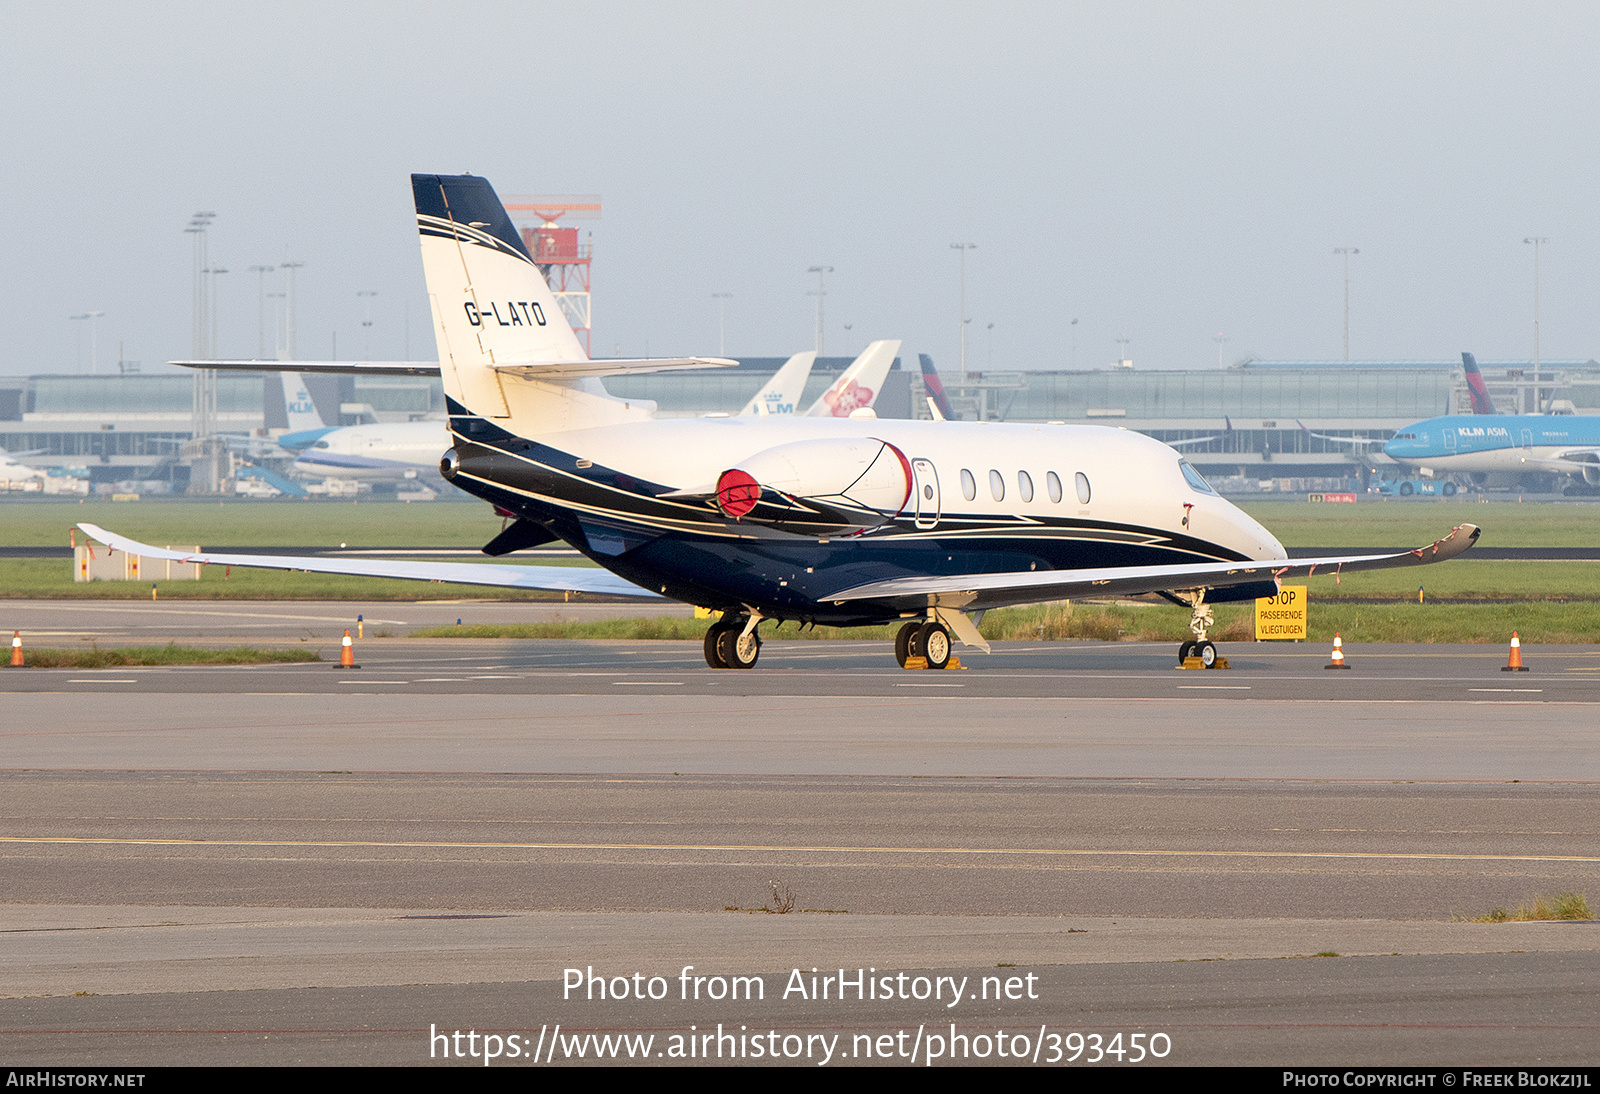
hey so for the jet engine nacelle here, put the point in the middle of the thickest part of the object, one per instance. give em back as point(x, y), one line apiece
point(862, 482)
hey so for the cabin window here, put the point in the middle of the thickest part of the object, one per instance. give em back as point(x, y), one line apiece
point(1024, 486)
point(997, 485)
point(1083, 488)
point(969, 485)
point(1052, 483)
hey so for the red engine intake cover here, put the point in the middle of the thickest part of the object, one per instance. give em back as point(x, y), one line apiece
point(737, 493)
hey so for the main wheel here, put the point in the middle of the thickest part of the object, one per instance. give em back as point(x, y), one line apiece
point(1184, 651)
point(933, 642)
point(737, 649)
point(1206, 652)
point(714, 635)
point(903, 641)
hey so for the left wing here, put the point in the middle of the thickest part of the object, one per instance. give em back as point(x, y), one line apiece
point(575, 579)
point(1355, 441)
point(1576, 461)
point(982, 591)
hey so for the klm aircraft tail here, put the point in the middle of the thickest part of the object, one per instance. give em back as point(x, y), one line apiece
point(1481, 403)
point(782, 393)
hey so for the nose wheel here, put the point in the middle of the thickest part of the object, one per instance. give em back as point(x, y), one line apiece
point(1199, 646)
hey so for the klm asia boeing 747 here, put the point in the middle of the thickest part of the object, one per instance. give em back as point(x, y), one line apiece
point(847, 521)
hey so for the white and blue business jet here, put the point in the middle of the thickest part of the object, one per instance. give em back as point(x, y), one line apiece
point(846, 521)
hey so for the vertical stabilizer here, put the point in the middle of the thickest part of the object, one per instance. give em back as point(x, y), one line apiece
point(299, 408)
point(935, 388)
point(860, 384)
point(1481, 403)
point(783, 391)
point(492, 307)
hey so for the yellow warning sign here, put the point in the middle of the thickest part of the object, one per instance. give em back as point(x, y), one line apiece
point(1282, 616)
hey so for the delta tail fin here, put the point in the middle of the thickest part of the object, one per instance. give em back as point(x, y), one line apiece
point(858, 386)
point(1481, 403)
point(783, 391)
point(935, 388)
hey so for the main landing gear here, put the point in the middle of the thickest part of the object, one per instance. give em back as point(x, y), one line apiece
point(929, 641)
point(733, 643)
point(1199, 647)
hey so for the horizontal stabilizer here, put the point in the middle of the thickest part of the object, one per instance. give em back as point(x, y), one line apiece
point(612, 366)
point(575, 579)
point(348, 368)
point(983, 591)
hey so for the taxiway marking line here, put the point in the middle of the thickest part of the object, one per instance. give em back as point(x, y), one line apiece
point(808, 849)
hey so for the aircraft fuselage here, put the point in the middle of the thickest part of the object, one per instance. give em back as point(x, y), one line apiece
point(640, 500)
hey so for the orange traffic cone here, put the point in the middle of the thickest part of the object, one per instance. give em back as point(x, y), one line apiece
point(1337, 662)
point(16, 649)
point(1514, 665)
point(347, 653)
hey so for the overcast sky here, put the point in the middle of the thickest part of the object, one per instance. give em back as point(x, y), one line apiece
point(1160, 172)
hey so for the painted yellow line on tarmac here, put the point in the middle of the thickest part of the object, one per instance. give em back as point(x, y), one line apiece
point(792, 849)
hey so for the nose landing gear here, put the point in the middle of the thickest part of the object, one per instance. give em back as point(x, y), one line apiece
point(1200, 648)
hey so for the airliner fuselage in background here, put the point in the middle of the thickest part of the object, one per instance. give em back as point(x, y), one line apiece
point(1501, 442)
point(846, 521)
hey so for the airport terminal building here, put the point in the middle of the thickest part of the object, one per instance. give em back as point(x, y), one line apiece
point(130, 429)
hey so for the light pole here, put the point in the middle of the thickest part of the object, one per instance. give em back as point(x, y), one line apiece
point(1074, 326)
point(261, 273)
point(822, 294)
point(1221, 341)
point(288, 335)
point(1122, 351)
point(1347, 252)
point(277, 324)
point(1536, 241)
point(722, 299)
point(211, 292)
point(963, 248)
point(366, 323)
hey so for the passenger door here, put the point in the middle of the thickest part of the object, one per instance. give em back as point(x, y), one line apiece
point(926, 488)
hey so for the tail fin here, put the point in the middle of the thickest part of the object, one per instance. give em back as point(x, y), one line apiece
point(935, 387)
point(859, 385)
point(492, 309)
point(782, 393)
point(1481, 403)
point(298, 406)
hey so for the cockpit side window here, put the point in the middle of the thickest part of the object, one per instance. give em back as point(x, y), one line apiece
point(1194, 478)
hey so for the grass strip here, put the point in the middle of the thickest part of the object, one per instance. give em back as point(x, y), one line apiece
point(171, 654)
point(1566, 906)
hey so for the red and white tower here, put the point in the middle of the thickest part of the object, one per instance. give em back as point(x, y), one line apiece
point(560, 255)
